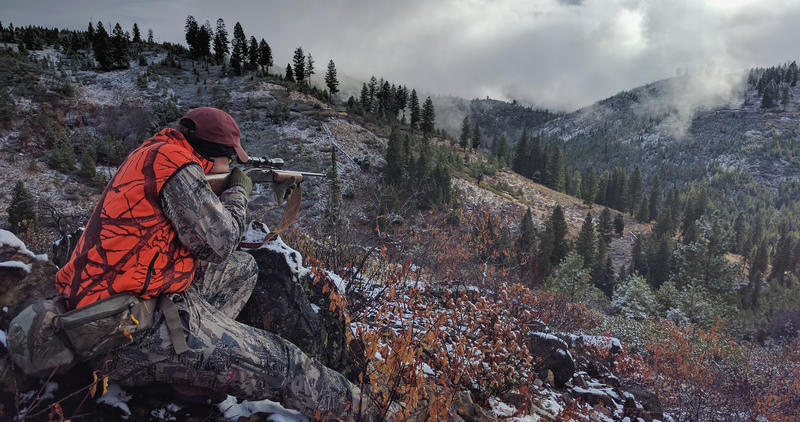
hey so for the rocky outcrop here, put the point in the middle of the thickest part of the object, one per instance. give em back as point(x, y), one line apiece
point(552, 354)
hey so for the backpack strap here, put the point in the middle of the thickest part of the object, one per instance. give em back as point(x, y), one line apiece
point(174, 324)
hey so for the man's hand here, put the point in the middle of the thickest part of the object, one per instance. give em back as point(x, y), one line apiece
point(238, 178)
point(284, 189)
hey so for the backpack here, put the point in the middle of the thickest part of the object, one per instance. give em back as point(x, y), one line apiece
point(45, 339)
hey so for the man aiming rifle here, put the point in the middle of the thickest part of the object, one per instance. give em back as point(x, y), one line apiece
point(159, 230)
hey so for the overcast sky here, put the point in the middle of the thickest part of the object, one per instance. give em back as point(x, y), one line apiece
point(560, 54)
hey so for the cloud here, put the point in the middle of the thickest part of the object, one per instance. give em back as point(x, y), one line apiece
point(560, 54)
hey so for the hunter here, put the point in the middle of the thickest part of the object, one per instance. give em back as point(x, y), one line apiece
point(159, 230)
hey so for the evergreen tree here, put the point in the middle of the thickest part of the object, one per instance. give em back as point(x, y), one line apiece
point(192, 30)
point(643, 214)
point(330, 80)
point(238, 48)
point(220, 42)
point(309, 70)
point(782, 255)
point(101, 48)
point(393, 172)
point(264, 55)
point(465, 134)
point(537, 161)
point(204, 37)
point(119, 47)
point(605, 226)
point(476, 137)
point(88, 170)
point(634, 299)
point(137, 36)
point(414, 110)
point(364, 99)
point(527, 232)
point(555, 171)
point(150, 40)
point(619, 224)
point(589, 188)
point(299, 62)
point(585, 245)
point(557, 228)
point(521, 161)
point(289, 76)
point(253, 53)
point(659, 261)
point(428, 117)
point(21, 208)
point(501, 150)
point(572, 280)
point(638, 258)
point(90, 35)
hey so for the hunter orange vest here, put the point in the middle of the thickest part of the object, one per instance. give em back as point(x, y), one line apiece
point(129, 246)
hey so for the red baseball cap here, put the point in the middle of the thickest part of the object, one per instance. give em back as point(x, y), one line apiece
point(217, 126)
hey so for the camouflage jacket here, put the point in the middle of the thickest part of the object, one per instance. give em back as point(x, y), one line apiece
point(209, 226)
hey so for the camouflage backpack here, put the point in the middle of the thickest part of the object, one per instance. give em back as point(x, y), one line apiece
point(44, 339)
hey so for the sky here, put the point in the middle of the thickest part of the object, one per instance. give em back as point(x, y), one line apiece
point(556, 54)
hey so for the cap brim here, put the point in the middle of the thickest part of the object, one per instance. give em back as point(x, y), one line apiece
point(240, 154)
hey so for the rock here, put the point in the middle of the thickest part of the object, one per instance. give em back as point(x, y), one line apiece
point(552, 354)
point(594, 396)
point(649, 401)
point(288, 302)
point(464, 409)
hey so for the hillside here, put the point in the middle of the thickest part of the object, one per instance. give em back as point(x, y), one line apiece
point(454, 315)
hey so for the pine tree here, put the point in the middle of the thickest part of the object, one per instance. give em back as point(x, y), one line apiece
point(204, 37)
point(330, 80)
point(90, 35)
point(239, 49)
point(521, 155)
point(465, 134)
point(527, 232)
point(414, 110)
point(555, 171)
point(557, 227)
point(589, 190)
point(428, 117)
point(634, 298)
point(220, 42)
point(252, 51)
point(309, 70)
point(619, 224)
point(101, 48)
point(605, 226)
point(782, 256)
point(501, 150)
point(137, 36)
point(643, 213)
point(289, 76)
point(476, 137)
point(21, 210)
point(364, 99)
point(299, 62)
point(264, 55)
point(150, 40)
point(585, 245)
point(119, 47)
point(393, 172)
point(192, 30)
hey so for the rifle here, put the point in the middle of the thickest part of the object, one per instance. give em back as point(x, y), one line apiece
point(269, 170)
point(261, 170)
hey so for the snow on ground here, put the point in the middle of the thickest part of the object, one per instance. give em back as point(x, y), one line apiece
point(9, 239)
point(17, 264)
point(234, 410)
point(501, 409)
point(116, 397)
point(3, 338)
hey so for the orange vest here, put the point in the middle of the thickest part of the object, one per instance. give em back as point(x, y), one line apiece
point(129, 245)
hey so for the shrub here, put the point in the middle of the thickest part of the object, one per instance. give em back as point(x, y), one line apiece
point(21, 212)
point(62, 157)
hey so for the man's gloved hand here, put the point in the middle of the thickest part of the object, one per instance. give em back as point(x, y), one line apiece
point(238, 178)
point(284, 189)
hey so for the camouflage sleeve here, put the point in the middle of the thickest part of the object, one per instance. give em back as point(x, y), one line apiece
point(209, 226)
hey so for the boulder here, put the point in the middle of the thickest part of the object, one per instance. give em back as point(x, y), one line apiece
point(464, 409)
point(552, 354)
point(288, 300)
point(647, 399)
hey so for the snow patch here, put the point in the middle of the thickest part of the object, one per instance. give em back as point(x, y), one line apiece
point(116, 397)
point(17, 264)
point(9, 239)
point(234, 410)
point(341, 285)
point(315, 308)
point(5, 309)
point(50, 391)
point(501, 409)
point(293, 258)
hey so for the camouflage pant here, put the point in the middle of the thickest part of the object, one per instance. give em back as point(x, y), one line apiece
point(228, 356)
